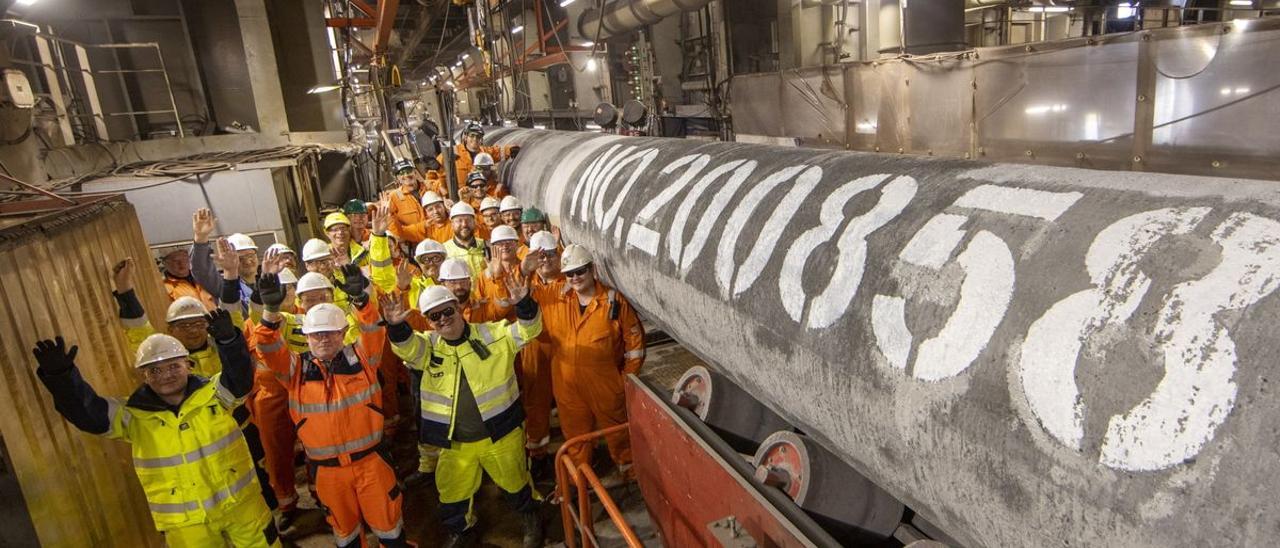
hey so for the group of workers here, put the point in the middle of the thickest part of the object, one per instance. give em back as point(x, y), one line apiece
point(475, 306)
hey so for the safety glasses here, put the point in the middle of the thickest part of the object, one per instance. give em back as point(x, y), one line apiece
point(446, 313)
point(162, 371)
point(431, 259)
point(197, 324)
point(576, 273)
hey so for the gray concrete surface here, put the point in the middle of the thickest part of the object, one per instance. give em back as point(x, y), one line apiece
point(1025, 355)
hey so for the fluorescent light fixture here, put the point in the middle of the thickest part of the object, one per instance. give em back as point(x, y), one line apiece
point(1247, 3)
point(588, 44)
point(1049, 9)
point(591, 65)
point(466, 56)
point(564, 3)
point(517, 29)
point(321, 88)
point(1092, 126)
point(1125, 11)
point(594, 127)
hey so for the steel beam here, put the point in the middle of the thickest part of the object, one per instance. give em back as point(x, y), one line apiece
point(1025, 355)
point(386, 19)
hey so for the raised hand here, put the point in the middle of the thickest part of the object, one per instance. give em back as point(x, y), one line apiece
point(122, 275)
point(272, 261)
point(228, 261)
point(394, 312)
point(517, 286)
point(380, 217)
point(404, 275)
point(220, 326)
point(202, 223)
point(270, 290)
point(353, 281)
point(53, 357)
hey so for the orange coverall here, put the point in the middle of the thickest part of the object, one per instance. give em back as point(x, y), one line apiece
point(270, 408)
point(535, 370)
point(591, 354)
point(339, 418)
point(408, 220)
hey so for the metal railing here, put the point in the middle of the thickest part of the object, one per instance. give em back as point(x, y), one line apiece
point(578, 521)
point(59, 83)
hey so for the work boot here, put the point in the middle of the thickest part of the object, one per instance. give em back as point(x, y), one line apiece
point(419, 479)
point(540, 468)
point(465, 539)
point(288, 523)
point(533, 533)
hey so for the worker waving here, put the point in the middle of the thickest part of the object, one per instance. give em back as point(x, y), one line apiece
point(470, 402)
point(335, 400)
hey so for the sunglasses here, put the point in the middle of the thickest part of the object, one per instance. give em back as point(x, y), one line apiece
point(576, 273)
point(446, 313)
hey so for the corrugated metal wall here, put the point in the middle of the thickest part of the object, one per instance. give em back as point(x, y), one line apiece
point(55, 279)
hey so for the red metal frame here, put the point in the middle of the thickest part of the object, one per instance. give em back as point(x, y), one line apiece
point(582, 477)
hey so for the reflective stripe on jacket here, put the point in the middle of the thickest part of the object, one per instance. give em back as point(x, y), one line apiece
point(492, 379)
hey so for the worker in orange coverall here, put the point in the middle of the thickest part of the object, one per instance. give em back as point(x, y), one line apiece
point(597, 340)
point(547, 286)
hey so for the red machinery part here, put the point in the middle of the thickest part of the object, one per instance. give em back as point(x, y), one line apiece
point(738, 417)
point(849, 505)
point(710, 483)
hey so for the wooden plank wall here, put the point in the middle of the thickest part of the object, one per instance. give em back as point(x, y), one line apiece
point(55, 278)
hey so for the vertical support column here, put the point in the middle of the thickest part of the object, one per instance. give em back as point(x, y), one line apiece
point(91, 90)
point(1144, 112)
point(55, 89)
point(260, 56)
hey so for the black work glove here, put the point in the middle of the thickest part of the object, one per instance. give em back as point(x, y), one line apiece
point(220, 326)
point(254, 296)
point(514, 151)
point(270, 291)
point(354, 284)
point(53, 357)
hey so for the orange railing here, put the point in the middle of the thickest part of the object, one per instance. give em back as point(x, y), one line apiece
point(578, 522)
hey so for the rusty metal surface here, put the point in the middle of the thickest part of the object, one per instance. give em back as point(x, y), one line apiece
point(994, 344)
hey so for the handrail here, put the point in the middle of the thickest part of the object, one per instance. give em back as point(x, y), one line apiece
point(582, 477)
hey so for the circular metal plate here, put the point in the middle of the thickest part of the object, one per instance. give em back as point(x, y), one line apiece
point(694, 387)
point(606, 115)
point(787, 452)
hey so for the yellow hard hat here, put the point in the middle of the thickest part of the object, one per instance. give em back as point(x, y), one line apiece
point(336, 218)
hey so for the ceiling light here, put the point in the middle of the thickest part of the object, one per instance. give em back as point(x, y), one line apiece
point(564, 3)
point(591, 65)
point(1248, 3)
point(588, 44)
point(517, 29)
point(1049, 9)
point(27, 2)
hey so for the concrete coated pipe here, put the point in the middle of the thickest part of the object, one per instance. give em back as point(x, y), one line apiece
point(847, 504)
point(1022, 354)
point(623, 16)
point(738, 417)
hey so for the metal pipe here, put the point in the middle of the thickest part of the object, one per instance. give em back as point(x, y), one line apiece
point(623, 16)
point(955, 330)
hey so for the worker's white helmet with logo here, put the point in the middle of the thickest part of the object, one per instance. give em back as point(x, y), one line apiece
point(434, 296)
point(241, 242)
point(454, 269)
point(184, 308)
point(324, 317)
point(575, 257)
point(158, 348)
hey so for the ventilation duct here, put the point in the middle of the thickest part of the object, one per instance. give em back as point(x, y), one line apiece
point(623, 16)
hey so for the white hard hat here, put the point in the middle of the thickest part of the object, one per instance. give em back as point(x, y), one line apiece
point(489, 202)
point(157, 348)
point(324, 317)
point(315, 249)
point(574, 257)
point(503, 233)
point(484, 159)
point(454, 269)
point(184, 308)
point(543, 241)
point(241, 242)
point(510, 203)
point(430, 197)
point(461, 208)
point(279, 248)
point(427, 247)
point(434, 296)
point(288, 277)
point(312, 281)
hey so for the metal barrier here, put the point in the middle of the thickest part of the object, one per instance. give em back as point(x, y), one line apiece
point(579, 521)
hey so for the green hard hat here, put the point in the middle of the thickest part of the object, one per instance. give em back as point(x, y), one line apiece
point(533, 215)
point(354, 206)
